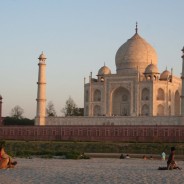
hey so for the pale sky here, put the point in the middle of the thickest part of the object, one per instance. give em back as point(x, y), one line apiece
point(78, 36)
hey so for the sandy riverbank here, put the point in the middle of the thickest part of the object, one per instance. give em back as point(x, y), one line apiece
point(92, 171)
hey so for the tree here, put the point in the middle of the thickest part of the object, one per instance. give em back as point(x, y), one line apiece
point(50, 110)
point(79, 112)
point(17, 112)
point(71, 108)
point(14, 121)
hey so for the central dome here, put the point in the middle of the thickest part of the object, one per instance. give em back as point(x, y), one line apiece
point(135, 54)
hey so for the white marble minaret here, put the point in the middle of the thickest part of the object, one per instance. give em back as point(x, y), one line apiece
point(41, 94)
point(182, 78)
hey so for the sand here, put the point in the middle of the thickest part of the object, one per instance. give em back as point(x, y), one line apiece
point(92, 171)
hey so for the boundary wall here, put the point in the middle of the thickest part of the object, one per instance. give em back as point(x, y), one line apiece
point(122, 133)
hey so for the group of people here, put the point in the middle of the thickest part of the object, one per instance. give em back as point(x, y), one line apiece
point(171, 163)
point(145, 157)
point(5, 160)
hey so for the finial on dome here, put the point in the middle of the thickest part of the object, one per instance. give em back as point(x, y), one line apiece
point(136, 28)
point(104, 63)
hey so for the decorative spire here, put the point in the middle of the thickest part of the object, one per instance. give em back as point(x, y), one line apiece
point(104, 63)
point(42, 56)
point(136, 28)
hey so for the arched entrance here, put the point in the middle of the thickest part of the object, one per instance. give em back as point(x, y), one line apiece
point(160, 110)
point(145, 110)
point(121, 102)
point(97, 110)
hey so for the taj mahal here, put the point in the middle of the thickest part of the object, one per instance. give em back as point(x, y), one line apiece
point(137, 103)
point(137, 88)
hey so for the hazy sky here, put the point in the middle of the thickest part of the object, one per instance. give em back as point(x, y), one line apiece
point(78, 36)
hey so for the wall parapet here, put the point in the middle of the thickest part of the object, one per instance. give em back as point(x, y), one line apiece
point(116, 120)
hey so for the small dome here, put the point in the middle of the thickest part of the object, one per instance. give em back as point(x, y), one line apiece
point(104, 70)
point(151, 68)
point(42, 56)
point(165, 75)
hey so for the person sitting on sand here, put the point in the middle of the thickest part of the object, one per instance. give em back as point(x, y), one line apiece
point(144, 157)
point(127, 156)
point(122, 156)
point(171, 164)
point(5, 160)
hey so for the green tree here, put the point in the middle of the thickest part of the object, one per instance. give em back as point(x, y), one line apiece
point(14, 121)
point(71, 108)
point(50, 110)
point(17, 112)
point(79, 112)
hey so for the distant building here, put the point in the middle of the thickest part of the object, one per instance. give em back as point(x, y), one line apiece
point(138, 94)
point(137, 104)
point(137, 88)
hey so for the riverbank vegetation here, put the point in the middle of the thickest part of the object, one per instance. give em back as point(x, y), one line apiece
point(75, 149)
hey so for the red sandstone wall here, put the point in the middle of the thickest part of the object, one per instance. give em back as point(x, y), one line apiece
point(94, 133)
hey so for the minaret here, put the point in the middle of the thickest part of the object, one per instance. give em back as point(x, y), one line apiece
point(1, 110)
point(182, 90)
point(41, 94)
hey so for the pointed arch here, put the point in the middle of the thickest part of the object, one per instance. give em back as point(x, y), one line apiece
point(145, 110)
point(160, 94)
point(145, 94)
point(160, 110)
point(97, 110)
point(121, 102)
point(97, 95)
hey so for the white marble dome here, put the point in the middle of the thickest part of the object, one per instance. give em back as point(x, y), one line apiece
point(165, 75)
point(151, 68)
point(133, 54)
point(104, 70)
